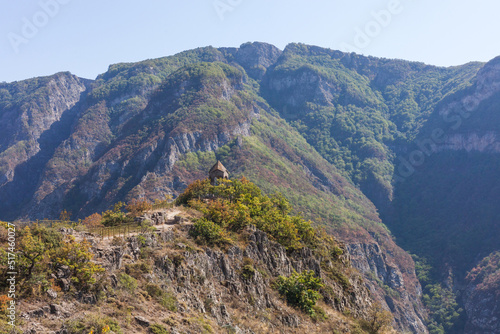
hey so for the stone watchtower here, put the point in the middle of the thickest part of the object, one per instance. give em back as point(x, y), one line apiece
point(218, 171)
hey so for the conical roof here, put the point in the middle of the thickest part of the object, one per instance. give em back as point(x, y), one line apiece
point(218, 166)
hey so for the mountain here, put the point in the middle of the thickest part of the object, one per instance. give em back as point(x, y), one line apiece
point(347, 139)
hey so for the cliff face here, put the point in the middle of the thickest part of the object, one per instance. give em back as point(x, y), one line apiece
point(482, 296)
point(36, 116)
point(217, 290)
point(31, 107)
point(392, 280)
point(443, 208)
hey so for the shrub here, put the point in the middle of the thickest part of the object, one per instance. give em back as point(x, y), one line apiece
point(164, 298)
point(207, 232)
point(377, 320)
point(164, 203)
point(93, 220)
point(4, 301)
point(112, 218)
point(127, 282)
point(78, 257)
point(41, 251)
point(154, 290)
point(300, 290)
point(138, 207)
point(168, 301)
point(136, 270)
point(65, 216)
point(234, 204)
point(158, 329)
point(116, 216)
point(247, 271)
point(93, 324)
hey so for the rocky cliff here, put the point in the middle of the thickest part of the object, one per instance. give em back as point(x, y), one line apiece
point(35, 117)
point(482, 296)
point(185, 288)
point(393, 282)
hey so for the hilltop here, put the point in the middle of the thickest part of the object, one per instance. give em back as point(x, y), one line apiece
point(232, 261)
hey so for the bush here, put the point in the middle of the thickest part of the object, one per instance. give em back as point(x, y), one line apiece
point(378, 319)
point(163, 297)
point(165, 203)
point(158, 329)
point(300, 290)
point(115, 217)
point(234, 204)
point(93, 324)
point(168, 301)
point(65, 216)
point(93, 220)
point(41, 251)
point(136, 270)
point(78, 257)
point(138, 207)
point(112, 218)
point(247, 271)
point(127, 282)
point(207, 232)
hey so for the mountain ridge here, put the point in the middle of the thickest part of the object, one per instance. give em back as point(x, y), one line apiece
point(332, 123)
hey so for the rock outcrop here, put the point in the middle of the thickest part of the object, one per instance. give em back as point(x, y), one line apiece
point(482, 297)
point(36, 116)
point(390, 282)
point(214, 288)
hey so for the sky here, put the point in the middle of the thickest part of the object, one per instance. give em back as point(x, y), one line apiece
point(43, 37)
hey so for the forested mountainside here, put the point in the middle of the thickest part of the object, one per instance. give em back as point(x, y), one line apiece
point(344, 137)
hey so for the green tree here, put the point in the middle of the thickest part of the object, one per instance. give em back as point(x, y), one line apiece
point(31, 250)
point(300, 290)
point(78, 257)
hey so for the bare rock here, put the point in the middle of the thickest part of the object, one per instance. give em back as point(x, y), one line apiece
point(142, 321)
point(55, 309)
point(52, 294)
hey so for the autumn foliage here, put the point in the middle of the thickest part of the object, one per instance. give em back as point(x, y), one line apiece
point(230, 206)
point(138, 207)
point(40, 254)
point(93, 220)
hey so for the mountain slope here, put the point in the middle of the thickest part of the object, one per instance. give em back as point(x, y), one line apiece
point(444, 209)
point(341, 135)
point(35, 117)
point(357, 110)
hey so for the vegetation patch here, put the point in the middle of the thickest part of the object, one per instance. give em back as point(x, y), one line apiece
point(164, 298)
point(95, 324)
point(42, 253)
point(127, 282)
point(300, 290)
point(233, 205)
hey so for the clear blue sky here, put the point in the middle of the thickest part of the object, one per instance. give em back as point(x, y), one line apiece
point(85, 36)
